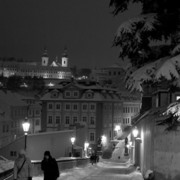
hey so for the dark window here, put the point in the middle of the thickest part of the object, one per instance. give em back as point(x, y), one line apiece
point(75, 93)
point(37, 122)
point(92, 107)
point(50, 106)
point(68, 107)
point(75, 119)
point(67, 93)
point(84, 118)
point(84, 107)
point(92, 120)
point(58, 106)
point(75, 107)
point(50, 119)
point(92, 137)
point(57, 119)
point(67, 119)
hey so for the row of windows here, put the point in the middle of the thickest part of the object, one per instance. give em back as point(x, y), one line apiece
point(34, 112)
point(114, 73)
point(67, 119)
point(19, 112)
point(126, 121)
point(73, 106)
point(69, 94)
point(109, 107)
point(130, 109)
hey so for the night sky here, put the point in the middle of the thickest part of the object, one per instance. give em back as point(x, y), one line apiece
point(86, 27)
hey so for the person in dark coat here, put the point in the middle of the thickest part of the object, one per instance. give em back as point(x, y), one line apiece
point(50, 167)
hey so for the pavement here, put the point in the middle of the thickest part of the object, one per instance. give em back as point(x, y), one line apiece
point(104, 170)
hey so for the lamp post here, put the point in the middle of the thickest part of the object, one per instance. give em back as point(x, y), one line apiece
point(86, 145)
point(72, 142)
point(135, 133)
point(26, 126)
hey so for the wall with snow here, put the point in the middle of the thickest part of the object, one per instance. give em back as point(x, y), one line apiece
point(167, 154)
point(158, 150)
point(119, 152)
point(58, 143)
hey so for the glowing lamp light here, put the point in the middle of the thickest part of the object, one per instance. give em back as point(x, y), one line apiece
point(104, 139)
point(50, 84)
point(26, 126)
point(73, 140)
point(135, 132)
point(117, 128)
point(86, 145)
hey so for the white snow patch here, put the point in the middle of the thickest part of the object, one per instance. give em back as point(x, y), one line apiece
point(6, 165)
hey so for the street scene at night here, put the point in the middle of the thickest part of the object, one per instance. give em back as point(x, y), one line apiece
point(90, 90)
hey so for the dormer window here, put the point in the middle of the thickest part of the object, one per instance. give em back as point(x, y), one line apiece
point(68, 94)
point(75, 93)
point(54, 94)
point(89, 94)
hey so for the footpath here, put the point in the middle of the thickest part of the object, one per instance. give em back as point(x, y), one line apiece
point(104, 170)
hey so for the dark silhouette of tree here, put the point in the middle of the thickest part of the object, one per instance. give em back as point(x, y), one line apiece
point(14, 82)
point(34, 83)
point(158, 22)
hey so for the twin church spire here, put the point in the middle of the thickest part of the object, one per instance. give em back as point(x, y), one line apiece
point(55, 63)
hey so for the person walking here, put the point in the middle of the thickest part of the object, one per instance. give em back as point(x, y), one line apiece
point(50, 167)
point(22, 167)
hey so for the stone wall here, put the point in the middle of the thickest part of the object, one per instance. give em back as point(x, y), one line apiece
point(167, 154)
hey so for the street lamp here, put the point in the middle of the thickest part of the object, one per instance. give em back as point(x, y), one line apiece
point(117, 128)
point(72, 142)
point(26, 126)
point(135, 132)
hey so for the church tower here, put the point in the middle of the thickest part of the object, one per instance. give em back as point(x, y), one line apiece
point(45, 58)
point(64, 62)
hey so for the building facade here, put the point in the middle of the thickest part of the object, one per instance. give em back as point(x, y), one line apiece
point(12, 113)
point(57, 69)
point(83, 104)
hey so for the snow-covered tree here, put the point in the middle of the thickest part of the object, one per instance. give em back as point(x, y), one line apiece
point(151, 41)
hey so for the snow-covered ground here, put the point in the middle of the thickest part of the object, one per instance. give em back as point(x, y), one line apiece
point(118, 153)
point(104, 170)
point(5, 164)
